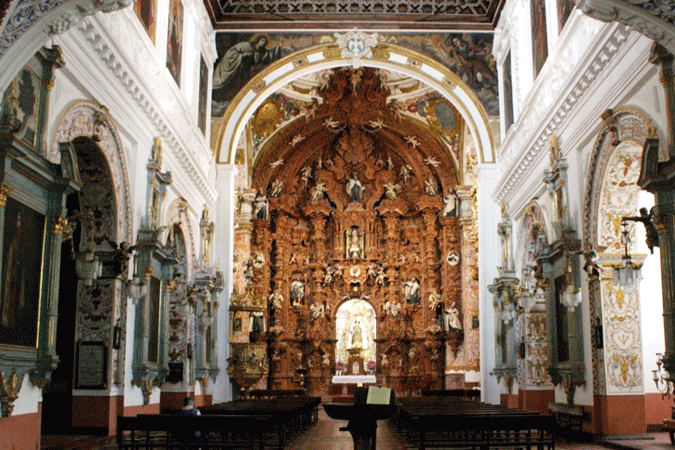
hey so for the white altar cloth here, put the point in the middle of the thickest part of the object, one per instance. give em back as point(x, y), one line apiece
point(359, 380)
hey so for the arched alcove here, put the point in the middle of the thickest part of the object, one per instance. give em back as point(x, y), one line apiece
point(355, 331)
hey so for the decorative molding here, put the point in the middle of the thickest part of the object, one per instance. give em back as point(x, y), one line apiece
point(80, 120)
point(110, 59)
point(27, 13)
point(651, 18)
point(540, 142)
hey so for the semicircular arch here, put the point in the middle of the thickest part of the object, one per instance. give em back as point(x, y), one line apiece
point(87, 119)
point(315, 59)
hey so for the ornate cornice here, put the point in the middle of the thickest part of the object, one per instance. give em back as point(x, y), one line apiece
point(528, 150)
point(652, 18)
point(27, 13)
point(118, 70)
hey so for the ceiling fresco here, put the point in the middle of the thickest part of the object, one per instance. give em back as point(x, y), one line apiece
point(243, 55)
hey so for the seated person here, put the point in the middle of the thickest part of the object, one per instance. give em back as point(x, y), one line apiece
point(189, 409)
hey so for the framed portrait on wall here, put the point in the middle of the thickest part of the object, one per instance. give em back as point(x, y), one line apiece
point(174, 43)
point(203, 94)
point(92, 365)
point(21, 274)
point(146, 10)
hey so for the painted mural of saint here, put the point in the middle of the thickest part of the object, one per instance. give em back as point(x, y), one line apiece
point(239, 63)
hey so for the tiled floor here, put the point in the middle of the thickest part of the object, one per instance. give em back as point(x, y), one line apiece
point(326, 435)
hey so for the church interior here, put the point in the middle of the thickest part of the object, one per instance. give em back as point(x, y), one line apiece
point(238, 195)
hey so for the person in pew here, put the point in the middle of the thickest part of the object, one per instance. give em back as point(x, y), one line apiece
point(189, 409)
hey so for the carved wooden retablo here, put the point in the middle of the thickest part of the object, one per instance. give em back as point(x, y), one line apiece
point(361, 213)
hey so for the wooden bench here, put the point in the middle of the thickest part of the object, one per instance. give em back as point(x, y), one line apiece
point(487, 431)
point(276, 393)
point(451, 422)
point(468, 394)
point(172, 431)
point(290, 415)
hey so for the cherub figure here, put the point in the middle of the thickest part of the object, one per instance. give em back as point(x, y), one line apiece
point(318, 191)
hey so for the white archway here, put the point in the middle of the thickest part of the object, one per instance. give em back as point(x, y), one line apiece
point(317, 58)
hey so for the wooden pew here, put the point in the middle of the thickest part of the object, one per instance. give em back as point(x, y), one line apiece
point(290, 415)
point(450, 422)
point(467, 394)
point(172, 431)
point(276, 393)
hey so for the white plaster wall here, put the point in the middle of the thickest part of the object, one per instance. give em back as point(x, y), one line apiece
point(223, 251)
point(489, 215)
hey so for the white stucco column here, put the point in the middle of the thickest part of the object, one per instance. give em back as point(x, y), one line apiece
point(223, 248)
point(489, 215)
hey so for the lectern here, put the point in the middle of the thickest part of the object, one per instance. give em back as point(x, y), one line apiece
point(370, 405)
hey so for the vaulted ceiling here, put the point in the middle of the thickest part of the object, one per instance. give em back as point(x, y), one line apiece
point(464, 15)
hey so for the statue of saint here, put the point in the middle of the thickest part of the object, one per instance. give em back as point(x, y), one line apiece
point(354, 243)
point(354, 188)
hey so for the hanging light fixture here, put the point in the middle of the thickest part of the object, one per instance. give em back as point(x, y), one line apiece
point(627, 273)
point(88, 267)
point(138, 286)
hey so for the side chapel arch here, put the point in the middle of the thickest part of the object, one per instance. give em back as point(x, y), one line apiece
point(86, 124)
point(531, 323)
point(85, 118)
point(612, 193)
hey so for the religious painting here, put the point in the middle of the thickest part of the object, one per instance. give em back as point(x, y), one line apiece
point(154, 310)
point(203, 94)
point(564, 10)
point(92, 366)
point(21, 270)
point(539, 39)
point(241, 57)
point(468, 55)
point(146, 10)
point(508, 92)
point(20, 105)
point(174, 43)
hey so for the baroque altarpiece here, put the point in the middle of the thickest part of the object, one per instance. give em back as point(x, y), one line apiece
point(356, 242)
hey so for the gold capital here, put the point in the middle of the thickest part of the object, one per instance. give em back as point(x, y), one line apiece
point(5, 191)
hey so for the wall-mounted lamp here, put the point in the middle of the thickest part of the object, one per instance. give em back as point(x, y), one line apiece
point(662, 380)
point(138, 288)
point(627, 273)
point(88, 267)
point(571, 293)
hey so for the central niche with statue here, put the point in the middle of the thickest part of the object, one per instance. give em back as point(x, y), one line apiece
point(359, 221)
point(356, 329)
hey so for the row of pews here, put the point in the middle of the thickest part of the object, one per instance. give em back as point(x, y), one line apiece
point(453, 422)
point(251, 424)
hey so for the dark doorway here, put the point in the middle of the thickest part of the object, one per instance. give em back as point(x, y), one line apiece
point(57, 396)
